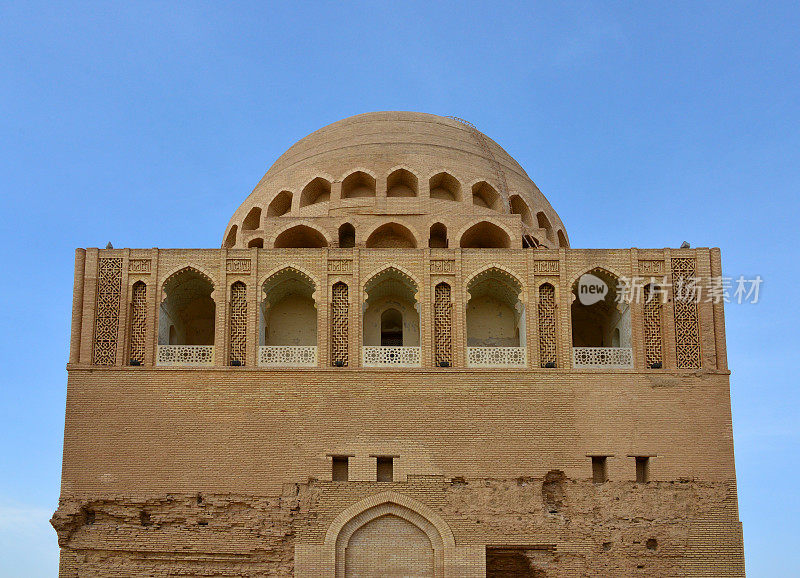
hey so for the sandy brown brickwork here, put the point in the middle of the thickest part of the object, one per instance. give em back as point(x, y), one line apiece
point(396, 290)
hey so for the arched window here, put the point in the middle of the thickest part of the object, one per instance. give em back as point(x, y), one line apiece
point(520, 207)
point(280, 205)
point(562, 239)
point(230, 239)
point(443, 326)
point(401, 183)
point(601, 324)
point(317, 191)
point(252, 221)
point(547, 326)
point(300, 237)
point(445, 187)
point(347, 236)
point(288, 314)
point(358, 185)
point(340, 302)
point(237, 322)
point(391, 236)
point(653, 347)
point(257, 243)
point(186, 320)
point(544, 223)
point(485, 235)
point(495, 320)
point(138, 329)
point(438, 238)
point(485, 195)
point(391, 320)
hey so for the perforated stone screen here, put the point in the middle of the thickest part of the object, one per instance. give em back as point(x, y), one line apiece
point(138, 322)
point(653, 347)
point(547, 325)
point(443, 325)
point(106, 321)
point(687, 331)
point(339, 325)
point(238, 323)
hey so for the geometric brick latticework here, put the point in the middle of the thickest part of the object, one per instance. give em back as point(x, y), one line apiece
point(653, 348)
point(238, 323)
point(138, 321)
point(547, 325)
point(443, 325)
point(106, 313)
point(339, 325)
point(687, 331)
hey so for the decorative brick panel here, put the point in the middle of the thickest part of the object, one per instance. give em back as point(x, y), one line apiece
point(653, 347)
point(237, 266)
point(238, 323)
point(647, 267)
point(109, 285)
point(443, 266)
point(545, 267)
point(339, 325)
point(139, 266)
point(443, 325)
point(138, 335)
point(340, 266)
point(547, 325)
point(687, 330)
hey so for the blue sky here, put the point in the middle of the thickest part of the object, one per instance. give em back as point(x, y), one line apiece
point(645, 124)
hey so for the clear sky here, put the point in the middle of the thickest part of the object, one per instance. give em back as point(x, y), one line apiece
point(645, 124)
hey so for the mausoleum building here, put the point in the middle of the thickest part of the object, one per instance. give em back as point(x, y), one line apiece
point(389, 369)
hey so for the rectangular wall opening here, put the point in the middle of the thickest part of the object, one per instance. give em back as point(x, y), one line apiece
point(385, 469)
point(340, 467)
point(599, 470)
point(642, 469)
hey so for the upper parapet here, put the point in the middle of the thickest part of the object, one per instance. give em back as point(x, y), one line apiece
point(386, 179)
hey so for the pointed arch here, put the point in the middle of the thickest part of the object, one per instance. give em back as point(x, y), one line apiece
point(443, 535)
point(546, 311)
point(544, 223)
point(594, 324)
point(273, 277)
point(438, 236)
point(402, 183)
point(301, 236)
point(252, 222)
point(389, 270)
point(237, 324)
point(138, 324)
point(347, 236)
point(230, 238)
point(520, 207)
point(391, 236)
point(318, 190)
point(188, 308)
point(445, 186)
point(485, 235)
point(287, 310)
point(280, 205)
point(485, 195)
point(358, 184)
point(175, 273)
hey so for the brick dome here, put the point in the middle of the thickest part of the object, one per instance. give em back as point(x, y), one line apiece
point(395, 179)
